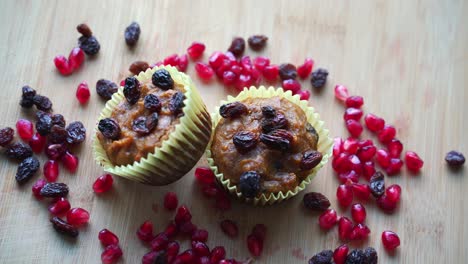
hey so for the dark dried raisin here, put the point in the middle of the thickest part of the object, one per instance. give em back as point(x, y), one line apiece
point(42, 102)
point(27, 96)
point(63, 227)
point(237, 46)
point(132, 90)
point(319, 78)
point(275, 142)
point(40, 113)
point(310, 129)
point(132, 33)
point(177, 103)
point(316, 201)
point(89, 45)
point(270, 124)
point(324, 257)
point(455, 158)
point(54, 189)
point(356, 257)
point(310, 159)
point(6, 136)
point(162, 79)
point(58, 120)
point(152, 103)
point(249, 184)
point(144, 125)
point(245, 141)
point(233, 110)
point(55, 151)
point(76, 133)
point(84, 30)
point(109, 128)
point(268, 111)
point(105, 88)
point(287, 71)
point(377, 184)
point(18, 151)
point(257, 42)
point(44, 124)
point(370, 256)
point(26, 169)
point(138, 66)
point(57, 134)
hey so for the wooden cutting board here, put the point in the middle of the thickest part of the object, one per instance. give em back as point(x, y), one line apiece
point(408, 59)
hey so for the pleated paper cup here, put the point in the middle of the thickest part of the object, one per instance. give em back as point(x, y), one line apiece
point(324, 145)
point(181, 149)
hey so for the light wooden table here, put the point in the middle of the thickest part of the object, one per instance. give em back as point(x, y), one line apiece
point(407, 58)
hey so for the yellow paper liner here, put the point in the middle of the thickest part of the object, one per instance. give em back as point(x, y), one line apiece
point(324, 145)
point(179, 152)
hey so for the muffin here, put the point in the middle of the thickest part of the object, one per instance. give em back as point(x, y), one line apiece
point(154, 129)
point(267, 145)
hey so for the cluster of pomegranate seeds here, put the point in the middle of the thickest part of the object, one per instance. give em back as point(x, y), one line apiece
point(210, 189)
point(103, 183)
point(83, 93)
point(68, 66)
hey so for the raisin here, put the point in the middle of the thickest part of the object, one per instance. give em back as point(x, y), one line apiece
point(152, 103)
point(316, 201)
point(84, 30)
point(105, 88)
point(370, 256)
point(109, 128)
point(287, 71)
point(40, 113)
point(245, 141)
point(319, 78)
point(42, 102)
point(356, 257)
point(232, 110)
point(138, 66)
point(54, 189)
point(268, 111)
point(132, 33)
point(43, 125)
point(310, 159)
point(76, 133)
point(27, 97)
point(143, 125)
point(257, 42)
point(455, 158)
point(26, 169)
point(132, 90)
point(310, 129)
point(55, 151)
point(63, 227)
point(249, 184)
point(57, 134)
point(89, 45)
point(6, 136)
point(377, 184)
point(162, 79)
point(58, 120)
point(237, 46)
point(324, 257)
point(18, 151)
point(270, 124)
point(177, 102)
point(277, 142)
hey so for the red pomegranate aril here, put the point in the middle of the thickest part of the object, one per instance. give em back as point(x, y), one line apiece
point(341, 164)
point(229, 78)
point(103, 183)
point(70, 161)
point(383, 158)
point(150, 257)
point(390, 240)
point(358, 213)
point(366, 153)
point(328, 219)
point(344, 193)
point(365, 143)
point(172, 60)
point(345, 226)
point(393, 192)
point(374, 123)
point(77, 217)
point(210, 191)
point(217, 253)
point(222, 201)
point(394, 167)
point(229, 228)
point(352, 113)
point(359, 232)
point(386, 134)
point(413, 162)
point(76, 58)
point(200, 249)
point(107, 238)
point(25, 129)
point(259, 230)
point(340, 254)
point(361, 191)
point(111, 254)
point(187, 228)
point(55, 151)
point(246, 63)
point(244, 81)
point(172, 250)
point(37, 143)
point(271, 73)
point(341, 93)
point(204, 175)
point(183, 215)
point(62, 65)
point(304, 70)
point(254, 245)
point(355, 164)
point(337, 146)
point(256, 76)
point(200, 235)
point(348, 176)
point(51, 170)
point(387, 204)
point(183, 63)
point(304, 95)
point(216, 59)
point(291, 85)
point(368, 169)
point(171, 201)
point(83, 93)
point(159, 242)
point(185, 257)
point(236, 69)
point(355, 101)
point(145, 231)
point(354, 127)
point(204, 71)
point(395, 147)
point(196, 50)
point(351, 146)
point(261, 62)
point(171, 230)
point(36, 188)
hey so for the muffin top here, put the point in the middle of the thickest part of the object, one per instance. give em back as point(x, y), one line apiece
point(143, 120)
point(264, 145)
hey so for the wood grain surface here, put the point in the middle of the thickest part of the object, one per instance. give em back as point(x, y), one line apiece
point(408, 59)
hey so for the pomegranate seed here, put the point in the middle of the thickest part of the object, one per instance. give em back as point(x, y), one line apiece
point(153, 257)
point(271, 73)
point(291, 85)
point(170, 201)
point(200, 249)
point(348, 176)
point(107, 238)
point(261, 62)
point(244, 81)
point(259, 231)
point(395, 147)
point(344, 193)
point(216, 59)
point(354, 127)
point(341, 93)
point(70, 162)
point(183, 63)
point(59, 207)
point(185, 257)
point(351, 146)
point(352, 113)
point(83, 93)
point(366, 153)
point(37, 143)
point(359, 232)
point(368, 169)
point(394, 167)
point(337, 146)
point(328, 219)
point(172, 250)
point(77, 217)
point(362, 191)
point(55, 151)
point(210, 191)
point(365, 143)
point(171, 229)
point(159, 242)
point(246, 64)
point(386, 204)
point(111, 254)
point(200, 235)
point(172, 60)
point(62, 65)
point(304, 95)
point(383, 158)
point(345, 226)
point(103, 183)
point(25, 129)
point(393, 192)
point(374, 123)
point(229, 228)
point(358, 212)
point(354, 101)
point(355, 164)
point(183, 215)
point(196, 50)
point(76, 58)
point(340, 254)
point(386, 134)
point(51, 170)
point(36, 188)
point(413, 162)
point(204, 175)
point(217, 254)
point(390, 240)
point(229, 78)
point(204, 70)
point(222, 201)
point(145, 231)
point(341, 163)
point(187, 228)
point(305, 69)
point(236, 69)
point(254, 245)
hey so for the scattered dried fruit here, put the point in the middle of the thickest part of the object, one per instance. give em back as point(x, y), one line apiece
point(54, 189)
point(138, 66)
point(453, 158)
point(76, 133)
point(324, 257)
point(84, 30)
point(63, 227)
point(237, 46)
point(89, 45)
point(287, 71)
point(6, 136)
point(257, 42)
point(105, 88)
point(316, 201)
point(26, 169)
point(132, 34)
point(319, 78)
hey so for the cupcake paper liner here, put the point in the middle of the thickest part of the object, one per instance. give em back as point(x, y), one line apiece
point(324, 145)
point(181, 149)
